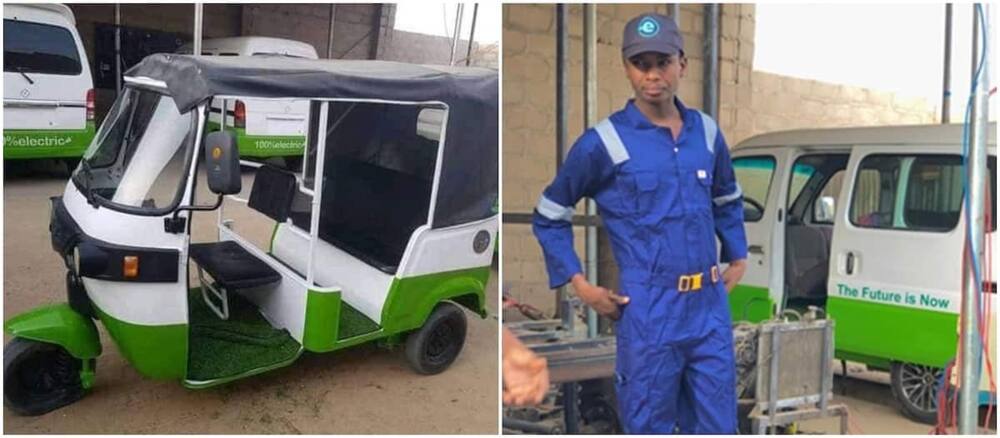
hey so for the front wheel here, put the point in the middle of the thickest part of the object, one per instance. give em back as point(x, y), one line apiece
point(916, 388)
point(432, 348)
point(39, 377)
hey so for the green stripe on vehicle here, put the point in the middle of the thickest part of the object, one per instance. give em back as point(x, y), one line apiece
point(892, 332)
point(750, 303)
point(262, 146)
point(156, 351)
point(47, 143)
point(412, 299)
point(322, 321)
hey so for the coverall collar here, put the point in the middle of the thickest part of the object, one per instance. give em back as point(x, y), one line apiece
point(638, 120)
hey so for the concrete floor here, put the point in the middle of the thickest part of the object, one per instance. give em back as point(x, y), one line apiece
point(362, 390)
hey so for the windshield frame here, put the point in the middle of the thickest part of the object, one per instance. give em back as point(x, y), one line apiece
point(86, 188)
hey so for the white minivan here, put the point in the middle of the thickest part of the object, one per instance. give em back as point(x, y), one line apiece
point(868, 224)
point(264, 128)
point(48, 93)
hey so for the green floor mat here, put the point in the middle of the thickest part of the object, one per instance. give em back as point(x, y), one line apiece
point(353, 322)
point(224, 348)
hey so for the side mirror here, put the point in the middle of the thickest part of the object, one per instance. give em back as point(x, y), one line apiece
point(222, 162)
point(826, 209)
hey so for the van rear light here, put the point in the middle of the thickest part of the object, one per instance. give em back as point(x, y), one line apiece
point(90, 105)
point(240, 114)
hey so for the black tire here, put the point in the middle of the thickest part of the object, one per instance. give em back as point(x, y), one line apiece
point(71, 164)
point(432, 348)
point(293, 164)
point(39, 377)
point(915, 387)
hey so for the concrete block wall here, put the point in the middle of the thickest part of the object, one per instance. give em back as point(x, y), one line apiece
point(354, 25)
point(749, 103)
point(419, 48)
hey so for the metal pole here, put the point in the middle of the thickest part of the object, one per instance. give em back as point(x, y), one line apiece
point(458, 31)
point(472, 34)
point(711, 92)
point(118, 47)
point(675, 13)
point(968, 396)
point(563, 297)
point(197, 28)
point(590, 112)
point(946, 94)
point(329, 41)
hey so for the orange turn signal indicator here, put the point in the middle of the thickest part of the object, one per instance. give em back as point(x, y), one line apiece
point(130, 267)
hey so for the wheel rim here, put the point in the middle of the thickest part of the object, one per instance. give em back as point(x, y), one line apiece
point(443, 343)
point(919, 386)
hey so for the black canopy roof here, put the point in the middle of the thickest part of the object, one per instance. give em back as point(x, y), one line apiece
point(468, 186)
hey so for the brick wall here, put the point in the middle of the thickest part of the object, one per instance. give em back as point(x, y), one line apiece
point(749, 103)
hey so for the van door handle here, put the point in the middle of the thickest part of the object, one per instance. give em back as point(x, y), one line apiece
point(850, 264)
point(756, 249)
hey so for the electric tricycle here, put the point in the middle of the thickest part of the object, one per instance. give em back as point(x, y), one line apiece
point(385, 234)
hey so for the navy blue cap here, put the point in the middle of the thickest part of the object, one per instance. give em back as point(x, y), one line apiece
point(651, 33)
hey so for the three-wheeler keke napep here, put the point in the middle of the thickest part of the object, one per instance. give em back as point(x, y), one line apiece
point(386, 233)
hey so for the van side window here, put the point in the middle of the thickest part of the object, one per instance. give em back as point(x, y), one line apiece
point(908, 192)
point(39, 48)
point(754, 175)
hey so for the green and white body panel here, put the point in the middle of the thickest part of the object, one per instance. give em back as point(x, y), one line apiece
point(46, 143)
point(273, 127)
point(437, 265)
point(147, 321)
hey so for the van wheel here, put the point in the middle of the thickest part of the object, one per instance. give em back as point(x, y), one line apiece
point(39, 377)
point(916, 387)
point(432, 348)
point(293, 164)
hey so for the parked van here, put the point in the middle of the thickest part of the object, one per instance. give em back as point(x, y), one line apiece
point(48, 93)
point(868, 224)
point(264, 128)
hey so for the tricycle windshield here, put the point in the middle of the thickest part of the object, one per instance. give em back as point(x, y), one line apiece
point(139, 159)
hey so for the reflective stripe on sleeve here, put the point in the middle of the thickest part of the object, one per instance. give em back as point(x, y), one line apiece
point(553, 211)
point(728, 198)
point(711, 131)
point(612, 142)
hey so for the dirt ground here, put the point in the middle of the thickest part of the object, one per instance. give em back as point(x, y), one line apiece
point(362, 390)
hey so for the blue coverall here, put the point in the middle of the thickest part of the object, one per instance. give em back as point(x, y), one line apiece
point(663, 202)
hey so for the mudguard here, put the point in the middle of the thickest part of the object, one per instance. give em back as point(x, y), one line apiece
point(58, 324)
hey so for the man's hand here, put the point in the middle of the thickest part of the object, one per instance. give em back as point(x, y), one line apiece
point(734, 273)
point(525, 375)
point(604, 301)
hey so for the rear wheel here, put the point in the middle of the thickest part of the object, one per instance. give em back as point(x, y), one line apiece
point(432, 348)
point(39, 377)
point(916, 388)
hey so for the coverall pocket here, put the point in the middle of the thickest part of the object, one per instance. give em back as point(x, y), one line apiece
point(641, 194)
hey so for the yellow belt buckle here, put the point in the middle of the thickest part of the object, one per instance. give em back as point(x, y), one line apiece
point(684, 283)
point(696, 281)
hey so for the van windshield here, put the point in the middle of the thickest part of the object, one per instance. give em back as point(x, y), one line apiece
point(140, 156)
point(39, 48)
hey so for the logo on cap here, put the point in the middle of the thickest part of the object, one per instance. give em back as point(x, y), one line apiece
point(648, 27)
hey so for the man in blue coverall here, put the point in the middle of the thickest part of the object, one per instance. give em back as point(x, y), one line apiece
point(663, 182)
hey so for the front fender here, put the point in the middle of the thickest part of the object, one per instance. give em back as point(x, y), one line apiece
point(58, 324)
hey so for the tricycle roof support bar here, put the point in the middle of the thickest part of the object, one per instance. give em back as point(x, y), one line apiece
point(946, 89)
point(968, 399)
point(317, 197)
